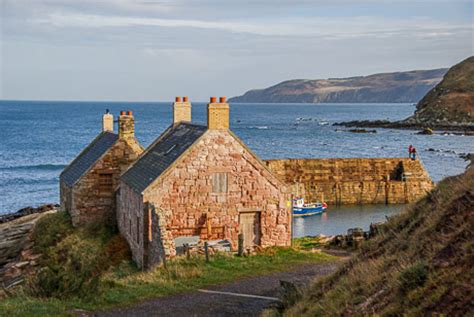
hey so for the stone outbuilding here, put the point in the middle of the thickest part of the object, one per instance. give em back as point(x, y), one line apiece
point(89, 182)
point(200, 181)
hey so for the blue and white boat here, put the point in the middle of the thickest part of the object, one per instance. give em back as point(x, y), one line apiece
point(300, 208)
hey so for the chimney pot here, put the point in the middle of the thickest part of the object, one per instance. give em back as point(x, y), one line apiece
point(177, 99)
point(213, 99)
point(185, 99)
point(222, 99)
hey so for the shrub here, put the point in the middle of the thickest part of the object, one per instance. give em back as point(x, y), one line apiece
point(413, 277)
point(70, 269)
point(49, 230)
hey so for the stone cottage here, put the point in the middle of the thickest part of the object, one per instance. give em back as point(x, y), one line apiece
point(89, 182)
point(200, 181)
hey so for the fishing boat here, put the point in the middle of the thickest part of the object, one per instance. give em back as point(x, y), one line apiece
point(300, 208)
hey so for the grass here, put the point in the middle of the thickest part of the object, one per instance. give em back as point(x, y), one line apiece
point(76, 282)
point(420, 264)
point(308, 243)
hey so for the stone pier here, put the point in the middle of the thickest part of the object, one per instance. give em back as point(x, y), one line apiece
point(354, 180)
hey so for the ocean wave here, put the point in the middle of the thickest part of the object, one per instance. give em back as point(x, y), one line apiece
point(41, 167)
point(259, 127)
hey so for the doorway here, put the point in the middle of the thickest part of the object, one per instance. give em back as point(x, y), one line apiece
point(249, 226)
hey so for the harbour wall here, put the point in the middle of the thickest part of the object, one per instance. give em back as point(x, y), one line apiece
point(354, 180)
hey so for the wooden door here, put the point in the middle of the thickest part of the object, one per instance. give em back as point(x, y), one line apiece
point(249, 226)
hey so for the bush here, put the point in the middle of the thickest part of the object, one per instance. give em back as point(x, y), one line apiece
point(49, 230)
point(72, 259)
point(70, 269)
point(413, 277)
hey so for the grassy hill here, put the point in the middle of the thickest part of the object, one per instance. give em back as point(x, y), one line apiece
point(451, 102)
point(421, 263)
point(408, 86)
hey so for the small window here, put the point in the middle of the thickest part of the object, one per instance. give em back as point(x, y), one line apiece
point(105, 183)
point(170, 149)
point(219, 183)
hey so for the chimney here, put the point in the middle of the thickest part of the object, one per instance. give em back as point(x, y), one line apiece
point(181, 110)
point(107, 122)
point(218, 114)
point(126, 125)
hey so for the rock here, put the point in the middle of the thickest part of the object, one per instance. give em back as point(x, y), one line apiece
point(426, 131)
point(362, 131)
point(22, 264)
point(27, 211)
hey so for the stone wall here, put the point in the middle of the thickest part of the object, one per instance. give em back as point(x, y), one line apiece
point(91, 202)
point(354, 180)
point(160, 241)
point(187, 191)
point(130, 221)
point(65, 196)
point(186, 205)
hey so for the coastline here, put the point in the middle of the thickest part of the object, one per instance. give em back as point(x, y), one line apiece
point(467, 129)
point(7, 217)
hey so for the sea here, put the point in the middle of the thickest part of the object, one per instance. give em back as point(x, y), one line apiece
point(39, 138)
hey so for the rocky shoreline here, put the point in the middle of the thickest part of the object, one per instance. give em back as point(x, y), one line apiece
point(17, 258)
point(27, 211)
point(439, 128)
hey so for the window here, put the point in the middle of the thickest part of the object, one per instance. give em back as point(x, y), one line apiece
point(219, 183)
point(170, 149)
point(105, 183)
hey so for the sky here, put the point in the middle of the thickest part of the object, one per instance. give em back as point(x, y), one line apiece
point(153, 50)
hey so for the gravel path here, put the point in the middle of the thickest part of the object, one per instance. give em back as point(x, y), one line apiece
point(198, 303)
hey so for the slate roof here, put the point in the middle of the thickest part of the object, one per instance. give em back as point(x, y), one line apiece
point(160, 155)
point(88, 157)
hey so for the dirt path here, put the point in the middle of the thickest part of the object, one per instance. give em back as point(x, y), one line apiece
point(219, 302)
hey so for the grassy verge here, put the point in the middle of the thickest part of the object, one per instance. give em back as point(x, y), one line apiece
point(123, 284)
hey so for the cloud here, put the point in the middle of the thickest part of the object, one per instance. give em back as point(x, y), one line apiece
point(329, 28)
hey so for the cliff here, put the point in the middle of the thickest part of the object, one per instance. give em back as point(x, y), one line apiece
point(420, 264)
point(401, 87)
point(451, 102)
point(448, 106)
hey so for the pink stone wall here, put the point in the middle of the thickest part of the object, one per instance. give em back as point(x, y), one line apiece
point(186, 191)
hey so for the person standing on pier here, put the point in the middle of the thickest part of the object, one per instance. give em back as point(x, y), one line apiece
point(413, 153)
point(410, 150)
